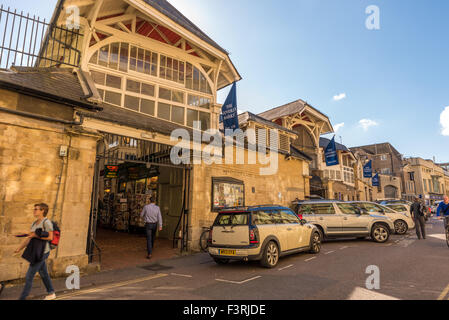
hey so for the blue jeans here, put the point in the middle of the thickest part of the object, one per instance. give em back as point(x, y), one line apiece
point(151, 229)
point(40, 267)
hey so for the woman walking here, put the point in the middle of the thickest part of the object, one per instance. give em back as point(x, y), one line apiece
point(37, 251)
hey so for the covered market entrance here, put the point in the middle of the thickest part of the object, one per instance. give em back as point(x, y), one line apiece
point(128, 172)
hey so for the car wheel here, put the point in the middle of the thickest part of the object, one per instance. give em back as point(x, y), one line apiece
point(380, 233)
point(270, 256)
point(400, 227)
point(221, 261)
point(315, 244)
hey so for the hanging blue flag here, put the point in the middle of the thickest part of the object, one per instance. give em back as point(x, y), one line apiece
point(368, 169)
point(331, 154)
point(376, 181)
point(229, 115)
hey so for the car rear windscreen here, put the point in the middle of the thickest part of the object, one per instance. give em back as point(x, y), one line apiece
point(232, 219)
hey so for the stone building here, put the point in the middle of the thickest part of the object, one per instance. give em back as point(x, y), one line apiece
point(309, 124)
point(424, 179)
point(339, 180)
point(387, 162)
point(45, 156)
point(95, 140)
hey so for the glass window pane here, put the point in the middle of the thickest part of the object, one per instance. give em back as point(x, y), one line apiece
point(347, 208)
point(124, 50)
point(327, 208)
point(177, 114)
point(154, 58)
point(133, 86)
point(133, 59)
point(140, 60)
point(205, 120)
point(178, 96)
point(101, 92)
point(192, 100)
point(147, 89)
point(164, 94)
point(98, 77)
point(132, 103)
point(196, 79)
point(154, 70)
point(147, 106)
point(261, 217)
point(192, 115)
point(104, 56)
point(113, 98)
point(113, 81)
point(163, 111)
point(205, 103)
point(113, 57)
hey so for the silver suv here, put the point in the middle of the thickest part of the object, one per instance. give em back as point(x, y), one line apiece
point(337, 219)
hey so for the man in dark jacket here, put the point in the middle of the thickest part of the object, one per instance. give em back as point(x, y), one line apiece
point(417, 212)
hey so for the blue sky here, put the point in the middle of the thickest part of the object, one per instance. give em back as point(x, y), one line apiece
point(395, 78)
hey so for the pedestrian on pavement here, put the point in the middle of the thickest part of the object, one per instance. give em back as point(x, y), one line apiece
point(417, 212)
point(152, 216)
point(443, 209)
point(34, 243)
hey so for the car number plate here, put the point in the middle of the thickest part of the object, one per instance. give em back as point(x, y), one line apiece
point(227, 252)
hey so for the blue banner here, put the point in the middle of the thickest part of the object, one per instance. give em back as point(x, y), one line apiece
point(368, 169)
point(376, 181)
point(331, 154)
point(229, 114)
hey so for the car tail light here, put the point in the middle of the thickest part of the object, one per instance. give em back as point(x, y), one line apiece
point(209, 240)
point(253, 236)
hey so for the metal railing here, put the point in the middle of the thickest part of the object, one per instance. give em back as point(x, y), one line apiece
point(28, 41)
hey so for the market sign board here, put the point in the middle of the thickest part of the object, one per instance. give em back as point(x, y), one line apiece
point(110, 171)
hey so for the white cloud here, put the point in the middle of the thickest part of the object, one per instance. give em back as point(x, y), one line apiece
point(338, 126)
point(444, 121)
point(367, 123)
point(339, 97)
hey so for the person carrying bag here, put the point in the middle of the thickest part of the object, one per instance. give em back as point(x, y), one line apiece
point(37, 250)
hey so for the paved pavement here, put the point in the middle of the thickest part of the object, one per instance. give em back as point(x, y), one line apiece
point(409, 269)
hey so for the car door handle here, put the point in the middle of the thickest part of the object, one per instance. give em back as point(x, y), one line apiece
point(321, 218)
point(345, 218)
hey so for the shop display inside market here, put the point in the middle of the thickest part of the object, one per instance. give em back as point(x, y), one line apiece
point(128, 187)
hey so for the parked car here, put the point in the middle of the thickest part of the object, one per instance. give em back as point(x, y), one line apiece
point(402, 208)
point(338, 219)
point(263, 233)
point(402, 223)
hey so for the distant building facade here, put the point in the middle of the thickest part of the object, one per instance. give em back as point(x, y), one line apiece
point(425, 179)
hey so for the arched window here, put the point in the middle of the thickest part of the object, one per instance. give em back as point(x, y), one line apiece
point(126, 76)
point(125, 57)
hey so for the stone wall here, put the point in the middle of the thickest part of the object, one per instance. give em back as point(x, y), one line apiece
point(30, 167)
point(291, 181)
